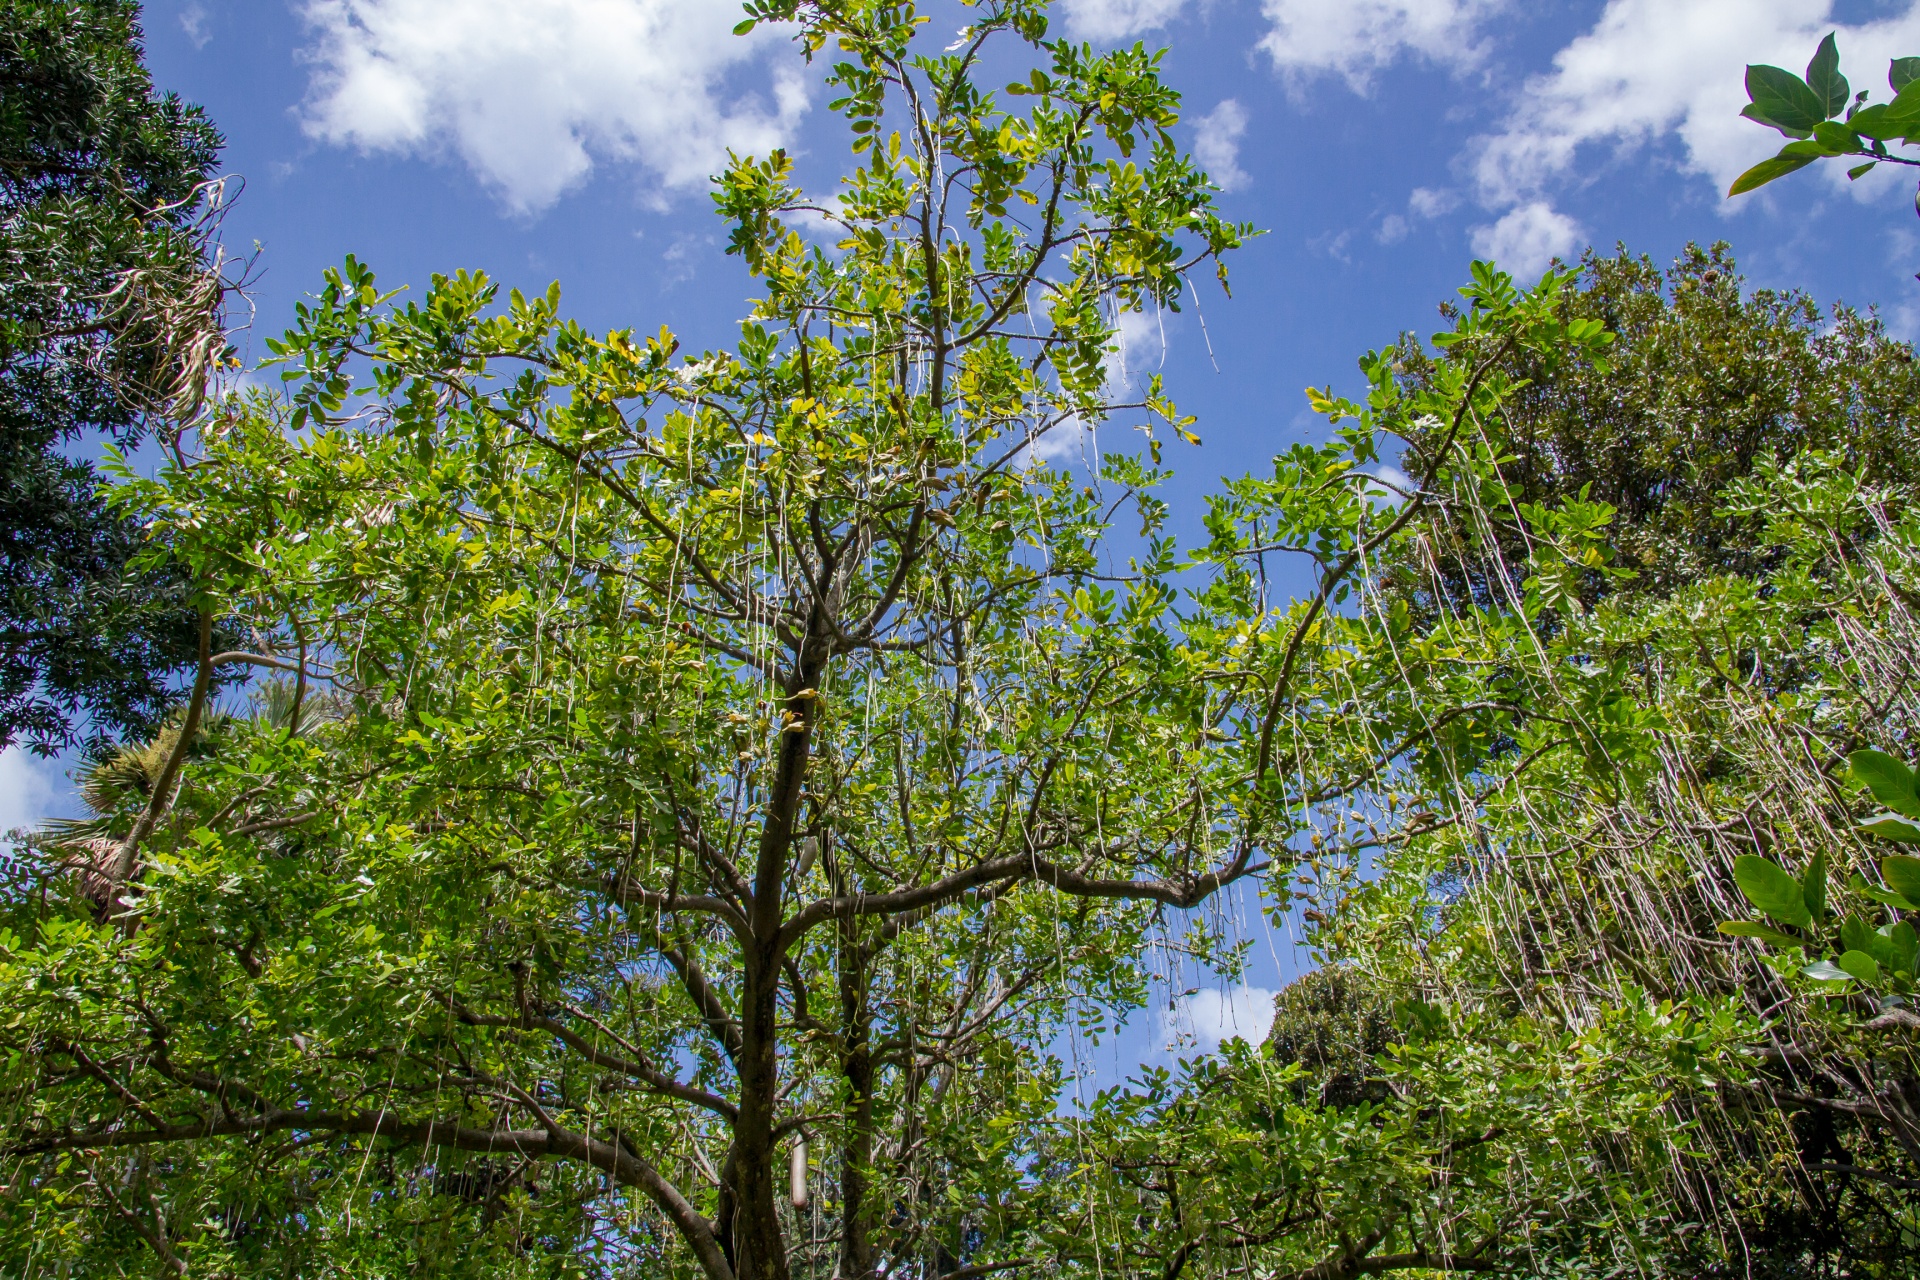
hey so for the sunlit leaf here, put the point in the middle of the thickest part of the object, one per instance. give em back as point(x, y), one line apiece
point(1766, 171)
point(1824, 78)
point(1902, 874)
point(1861, 967)
point(1771, 889)
point(1892, 826)
point(1782, 100)
point(1890, 781)
point(1749, 929)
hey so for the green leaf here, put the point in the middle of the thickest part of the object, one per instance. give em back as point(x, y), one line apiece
point(1905, 946)
point(1858, 883)
point(1835, 139)
point(1766, 171)
point(742, 28)
point(1827, 971)
point(1813, 886)
point(1860, 169)
point(1891, 826)
point(1758, 114)
point(1782, 100)
point(1891, 782)
point(1771, 889)
point(1861, 967)
point(1748, 929)
point(1856, 934)
point(1902, 72)
point(1886, 122)
point(1902, 875)
point(1824, 78)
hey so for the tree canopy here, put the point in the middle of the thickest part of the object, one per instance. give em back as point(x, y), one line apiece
point(109, 324)
point(687, 799)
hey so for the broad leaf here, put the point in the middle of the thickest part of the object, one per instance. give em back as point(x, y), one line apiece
point(1861, 967)
point(1835, 139)
point(1783, 101)
point(1749, 929)
point(1856, 934)
point(1891, 826)
point(1902, 875)
point(1861, 170)
point(1858, 883)
point(1766, 171)
point(1813, 886)
point(1771, 889)
point(1888, 122)
point(1824, 78)
point(1905, 947)
point(1827, 971)
point(1890, 781)
point(1902, 72)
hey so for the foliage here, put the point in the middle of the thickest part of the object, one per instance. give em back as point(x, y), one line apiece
point(684, 769)
point(1886, 958)
point(1492, 1143)
point(1825, 122)
point(1660, 759)
point(109, 321)
point(1706, 380)
point(779, 743)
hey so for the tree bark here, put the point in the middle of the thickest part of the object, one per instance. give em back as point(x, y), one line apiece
point(856, 1066)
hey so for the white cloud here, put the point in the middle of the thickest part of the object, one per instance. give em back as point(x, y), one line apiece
point(1426, 202)
point(1653, 67)
point(1118, 19)
point(197, 23)
point(1354, 39)
point(28, 790)
point(1422, 202)
point(1217, 144)
point(1208, 1018)
point(1527, 239)
point(530, 93)
point(1141, 339)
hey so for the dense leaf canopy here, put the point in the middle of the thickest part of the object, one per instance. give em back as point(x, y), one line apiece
point(104, 318)
point(690, 802)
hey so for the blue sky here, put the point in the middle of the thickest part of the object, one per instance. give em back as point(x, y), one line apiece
point(1382, 144)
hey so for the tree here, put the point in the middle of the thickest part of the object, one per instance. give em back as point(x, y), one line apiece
point(110, 321)
point(1706, 380)
point(1665, 701)
point(744, 761)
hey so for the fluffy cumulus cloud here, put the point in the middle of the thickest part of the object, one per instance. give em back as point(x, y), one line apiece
point(1118, 19)
point(1650, 68)
point(529, 93)
point(1527, 239)
point(1208, 1018)
point(1216, 144)
point(1354, 39)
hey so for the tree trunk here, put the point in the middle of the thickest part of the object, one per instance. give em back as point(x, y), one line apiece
point(759, 1244)
point(856, 1155)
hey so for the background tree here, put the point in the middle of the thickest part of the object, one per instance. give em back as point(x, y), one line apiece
point(110, 322)
point(1638, 740)
point(1707, 379)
